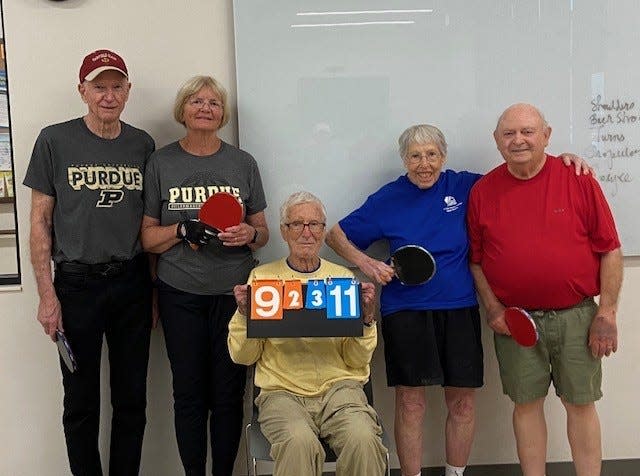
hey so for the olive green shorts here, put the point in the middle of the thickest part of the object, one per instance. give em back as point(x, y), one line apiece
point(561, 355)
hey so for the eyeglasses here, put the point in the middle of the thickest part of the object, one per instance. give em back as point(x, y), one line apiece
point(431, 157)
point(199, 103)
point(315, 227)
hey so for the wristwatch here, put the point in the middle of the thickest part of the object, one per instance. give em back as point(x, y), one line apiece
point(255, 236)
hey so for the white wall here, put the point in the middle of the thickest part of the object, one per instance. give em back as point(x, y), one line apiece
point(165, 42)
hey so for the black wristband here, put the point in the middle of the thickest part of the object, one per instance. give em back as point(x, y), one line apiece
point(255, 236)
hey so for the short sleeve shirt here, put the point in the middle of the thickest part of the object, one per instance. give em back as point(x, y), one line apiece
point(176, 185)
point(97, 185)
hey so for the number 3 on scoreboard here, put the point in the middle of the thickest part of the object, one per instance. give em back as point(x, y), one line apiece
point(315, 298)
point(266, 299)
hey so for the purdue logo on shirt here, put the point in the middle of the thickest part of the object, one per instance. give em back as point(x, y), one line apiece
point(108, 198)
point(192, 197)
point(112, 181)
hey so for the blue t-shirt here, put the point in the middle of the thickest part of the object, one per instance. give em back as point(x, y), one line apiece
point(433, 218)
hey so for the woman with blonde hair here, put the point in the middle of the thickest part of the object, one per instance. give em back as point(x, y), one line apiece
point(198, 268)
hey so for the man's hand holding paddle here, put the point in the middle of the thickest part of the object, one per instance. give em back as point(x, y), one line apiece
point(514, 322)
point(496, 321)
point(50, 314)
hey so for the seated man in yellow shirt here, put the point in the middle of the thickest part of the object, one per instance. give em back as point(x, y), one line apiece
point(311, 387)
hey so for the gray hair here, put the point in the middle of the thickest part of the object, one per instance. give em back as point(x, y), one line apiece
point(537, 111)
point(298, 198)
point(191, 87)
point(422, 134)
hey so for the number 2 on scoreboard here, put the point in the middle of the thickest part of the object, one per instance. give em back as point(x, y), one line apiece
point(292, 294)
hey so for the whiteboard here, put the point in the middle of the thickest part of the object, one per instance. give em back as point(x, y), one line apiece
point(326, 87)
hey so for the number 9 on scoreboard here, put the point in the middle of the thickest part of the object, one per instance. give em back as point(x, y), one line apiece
point(266, 299)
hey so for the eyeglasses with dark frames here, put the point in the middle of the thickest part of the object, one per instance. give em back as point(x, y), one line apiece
point(315, 227)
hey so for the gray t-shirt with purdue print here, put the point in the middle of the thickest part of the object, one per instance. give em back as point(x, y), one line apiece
point(176, 185)
point(97, 186)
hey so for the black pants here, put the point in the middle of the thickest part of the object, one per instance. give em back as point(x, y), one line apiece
point(117, 306)
point(204, 378)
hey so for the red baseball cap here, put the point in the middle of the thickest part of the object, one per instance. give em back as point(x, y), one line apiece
point(99, 61)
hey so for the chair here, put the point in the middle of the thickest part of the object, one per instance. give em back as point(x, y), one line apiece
point(258, 447)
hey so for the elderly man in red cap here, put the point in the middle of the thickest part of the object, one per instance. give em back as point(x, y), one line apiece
point(86, 180)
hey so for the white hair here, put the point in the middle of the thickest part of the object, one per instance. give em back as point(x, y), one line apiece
point(298, 198)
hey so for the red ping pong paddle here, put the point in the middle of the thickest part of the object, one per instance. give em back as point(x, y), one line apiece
point(413, 265)
point(220, 211)
point(521, 325)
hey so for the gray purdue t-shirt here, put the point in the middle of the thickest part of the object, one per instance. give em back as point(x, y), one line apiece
point(176, 185)
point(97, 186)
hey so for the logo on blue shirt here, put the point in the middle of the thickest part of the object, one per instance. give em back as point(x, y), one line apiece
point(451, 204)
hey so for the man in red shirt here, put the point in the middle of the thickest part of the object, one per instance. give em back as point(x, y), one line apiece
point(544, 239)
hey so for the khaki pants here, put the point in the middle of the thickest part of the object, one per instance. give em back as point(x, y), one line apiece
point(342, 416)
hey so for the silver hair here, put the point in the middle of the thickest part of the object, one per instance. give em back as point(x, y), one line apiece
point(298, 198)
point(422, 134)
point(545, 124)
point(191, 87)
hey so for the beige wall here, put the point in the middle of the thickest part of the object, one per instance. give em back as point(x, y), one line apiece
point(165, 42)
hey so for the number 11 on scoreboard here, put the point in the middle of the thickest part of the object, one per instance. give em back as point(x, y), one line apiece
point(343, 298)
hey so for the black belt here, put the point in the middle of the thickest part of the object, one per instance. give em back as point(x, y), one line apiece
point(112, 268)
